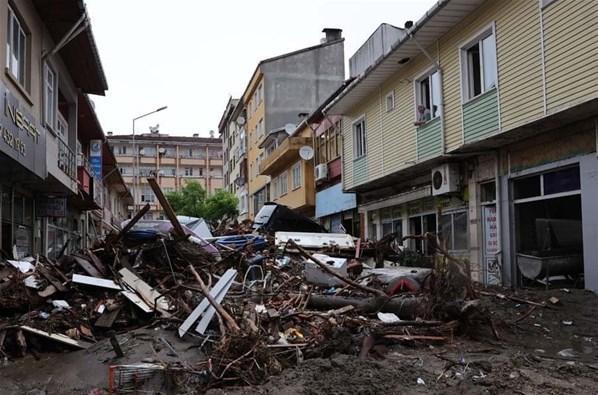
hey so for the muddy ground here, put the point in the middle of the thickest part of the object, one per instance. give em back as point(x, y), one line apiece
point(546, 350)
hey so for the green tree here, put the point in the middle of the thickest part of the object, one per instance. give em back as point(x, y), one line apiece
point(192, 201)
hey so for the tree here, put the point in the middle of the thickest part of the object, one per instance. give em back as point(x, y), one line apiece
point(192, 201)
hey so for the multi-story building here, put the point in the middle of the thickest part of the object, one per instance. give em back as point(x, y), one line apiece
point(480, 125)
point(173, 160)
point(279, 90)
point(234, 146)
point(50, 135)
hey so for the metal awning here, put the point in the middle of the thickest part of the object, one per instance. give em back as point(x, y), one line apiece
point(442, 17)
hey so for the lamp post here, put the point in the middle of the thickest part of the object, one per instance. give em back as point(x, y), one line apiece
point(136, 152)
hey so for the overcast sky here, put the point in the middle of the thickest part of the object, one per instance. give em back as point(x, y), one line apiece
point(192, 55)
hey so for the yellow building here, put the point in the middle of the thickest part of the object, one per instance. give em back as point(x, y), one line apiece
point(173, 160)
point(479, 125)
point(279, 90)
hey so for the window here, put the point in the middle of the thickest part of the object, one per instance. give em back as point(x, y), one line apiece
point(328, 145)
point(147, 195)
point(260, 127)
point(50, 96)
point(479, 62)
point(428, 97)
point(565, 180)
point(259, 198)
point(390, 101)
point(296, 175)
point(452, 229)
point(62, 128)
point(121, 150)
point(188, 171)
point(284, 183)
point(488, 192)
point(359, 145)
point(16, 47)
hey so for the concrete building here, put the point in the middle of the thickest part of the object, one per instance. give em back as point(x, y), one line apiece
point(279, 90)
point(234, 146)
point(51, 150)
point(174, 160)
point(480, 125)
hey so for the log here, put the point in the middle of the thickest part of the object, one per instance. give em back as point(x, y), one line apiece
point(404, 308)
point(132, 222)
point(168, 210)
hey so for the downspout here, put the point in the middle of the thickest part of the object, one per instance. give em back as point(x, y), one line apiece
point(441, 75)
point(499, 252)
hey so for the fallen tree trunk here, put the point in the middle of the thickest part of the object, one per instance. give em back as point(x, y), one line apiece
point(404, 308)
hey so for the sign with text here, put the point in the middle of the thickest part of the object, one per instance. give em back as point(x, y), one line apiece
point(50, 207)
point(21, 136)
point(95, 158)
point(492, 266)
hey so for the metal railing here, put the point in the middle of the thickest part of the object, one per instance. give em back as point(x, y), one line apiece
point(67, 161)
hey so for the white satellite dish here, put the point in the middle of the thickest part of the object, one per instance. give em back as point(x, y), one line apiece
point(241, 121)
point(306, 152)
point(290, 128)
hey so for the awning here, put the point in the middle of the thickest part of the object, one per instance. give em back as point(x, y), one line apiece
point(397, 199)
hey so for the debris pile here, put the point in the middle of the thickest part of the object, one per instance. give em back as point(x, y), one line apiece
point(255, 304)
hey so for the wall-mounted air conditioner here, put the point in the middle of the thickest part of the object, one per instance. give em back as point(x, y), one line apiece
point(322, 172)
point(445, 179)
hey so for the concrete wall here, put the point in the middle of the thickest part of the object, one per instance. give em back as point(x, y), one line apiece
point(301, 82)
point(376, 46)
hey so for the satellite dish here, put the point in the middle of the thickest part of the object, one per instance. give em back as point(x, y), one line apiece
point(241, 121)
point(290, 128)
point(306, 152)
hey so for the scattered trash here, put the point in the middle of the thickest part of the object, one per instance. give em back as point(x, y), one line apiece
point(420, 381)
point(554, 300)
point(388, 318)
point(567, 323)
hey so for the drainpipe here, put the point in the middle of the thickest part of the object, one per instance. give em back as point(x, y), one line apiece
point(499, 252)
point(441, 75)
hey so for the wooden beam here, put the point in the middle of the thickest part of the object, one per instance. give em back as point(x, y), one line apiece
point(168, 210)
point(132, 222)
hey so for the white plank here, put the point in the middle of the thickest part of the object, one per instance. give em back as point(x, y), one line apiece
point(137, 301)
point(57, 336)
point(96, 282)
point(228, 277)
point(147, 293)
point(209, 314)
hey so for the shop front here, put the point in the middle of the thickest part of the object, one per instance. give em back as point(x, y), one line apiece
point(336, 210)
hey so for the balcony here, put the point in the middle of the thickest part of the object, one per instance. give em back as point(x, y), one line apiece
point(283, 156)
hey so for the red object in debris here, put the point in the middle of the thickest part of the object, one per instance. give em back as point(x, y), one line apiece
point(403, 284)
point(84, 179)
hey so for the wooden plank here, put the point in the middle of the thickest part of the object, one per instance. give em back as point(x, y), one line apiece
point(107, 319)
point(59, 337)
point(137, 301)
point(95, 282)
point(227, 277)
point(209, 313)
point(132, 222)
point(87, 266)
point(53, 280)
point(97, 262)
point(168, 210)
point(147, 293)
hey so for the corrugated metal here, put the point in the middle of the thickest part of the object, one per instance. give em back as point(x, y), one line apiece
point(571, 53)
point(480, 117)
point(429, 140)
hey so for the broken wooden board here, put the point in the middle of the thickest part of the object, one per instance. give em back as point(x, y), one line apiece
point(209, 313)
point(137, 301)
point(227, 278)
point(147, 293)
point(87, 266)
point(53, 280)
point(96, 282)
point(107, 319)
point(57, 337)
point(97, 262)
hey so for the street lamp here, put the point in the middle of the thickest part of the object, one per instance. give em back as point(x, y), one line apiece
point(136, 152)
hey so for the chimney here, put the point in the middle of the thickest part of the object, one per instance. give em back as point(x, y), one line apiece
point(195, 134)
point(332, 34)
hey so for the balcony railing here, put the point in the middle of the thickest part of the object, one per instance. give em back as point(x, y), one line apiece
point(282, 157)
point(67, 161)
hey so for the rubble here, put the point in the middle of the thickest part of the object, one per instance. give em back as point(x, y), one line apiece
point(258, 307)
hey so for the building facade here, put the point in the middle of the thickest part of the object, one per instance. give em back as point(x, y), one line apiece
point(480, 125)
point(234, 147)
point(51, 172)
point(279, 90)
point(173, 160)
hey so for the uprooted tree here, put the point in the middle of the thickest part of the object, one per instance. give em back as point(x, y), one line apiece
point(192, 200)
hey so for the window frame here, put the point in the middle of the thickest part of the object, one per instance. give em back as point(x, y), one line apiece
point(360, 120)
point(22, 79)
point(427, 75)
point(476, 39)
point(284, 183)
point(51, 124)
point(390, 95)
point(296, 171)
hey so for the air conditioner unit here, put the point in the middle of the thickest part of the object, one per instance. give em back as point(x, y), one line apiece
point(322, 172)
point(162, 151)
point(445, 179)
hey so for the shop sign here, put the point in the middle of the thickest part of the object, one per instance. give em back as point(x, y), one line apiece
point(95, 158)
point(50, 207)
point(492, 264)
point(21, 137)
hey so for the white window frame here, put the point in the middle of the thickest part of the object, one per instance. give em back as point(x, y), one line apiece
point(16, 67)
point(188, 171)
point(363, 138)
point(418, 97)
point(390, 96)
point(489, 30)
point(50, 99)
point(284, 183)
point(296, 175)
point(62, 127)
